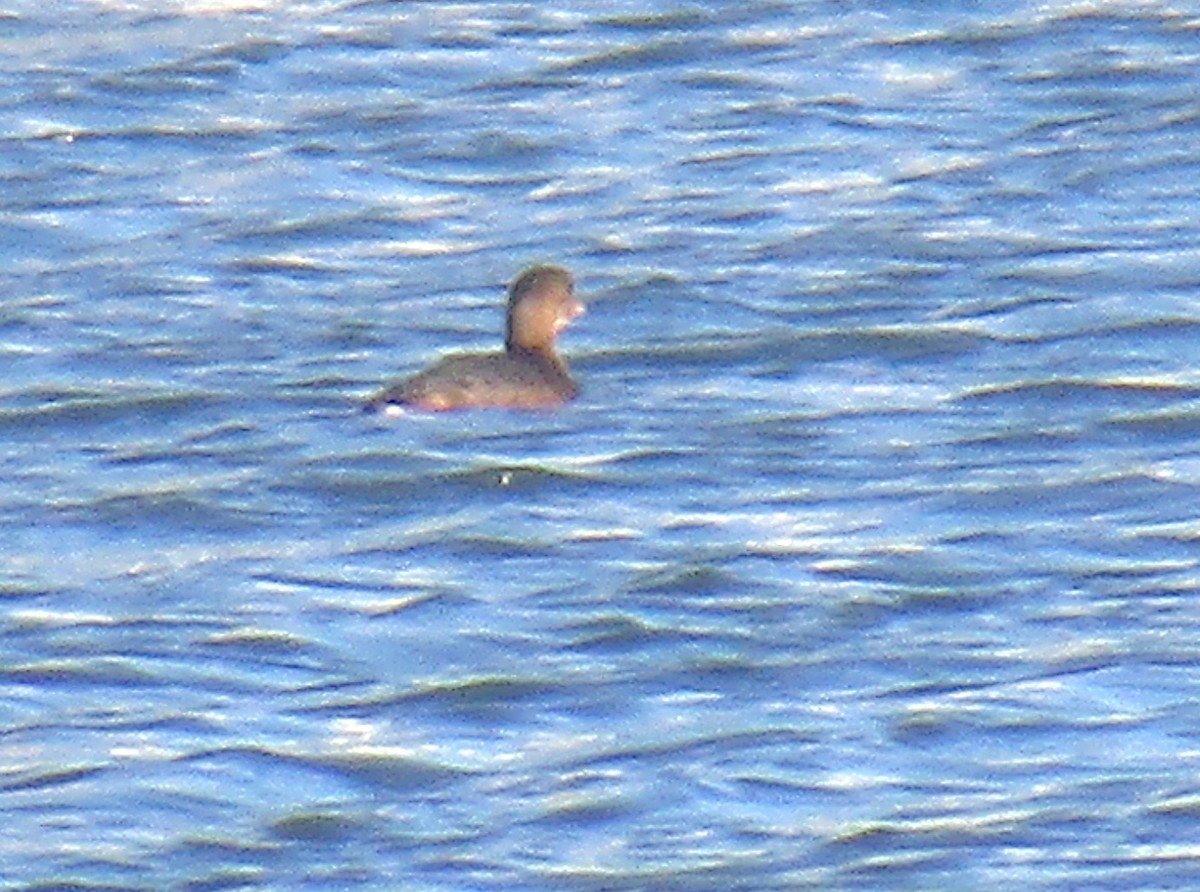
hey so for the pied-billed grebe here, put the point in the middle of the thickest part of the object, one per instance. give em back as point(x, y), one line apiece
point(527, 375)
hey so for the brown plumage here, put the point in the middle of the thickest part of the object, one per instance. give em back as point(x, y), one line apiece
point(529, 374)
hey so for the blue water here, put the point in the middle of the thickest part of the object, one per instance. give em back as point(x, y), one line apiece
point(868, 559)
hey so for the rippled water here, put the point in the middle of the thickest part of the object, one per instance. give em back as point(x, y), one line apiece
point(867, 560)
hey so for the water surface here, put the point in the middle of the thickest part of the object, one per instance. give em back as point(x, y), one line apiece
point(866, 559)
